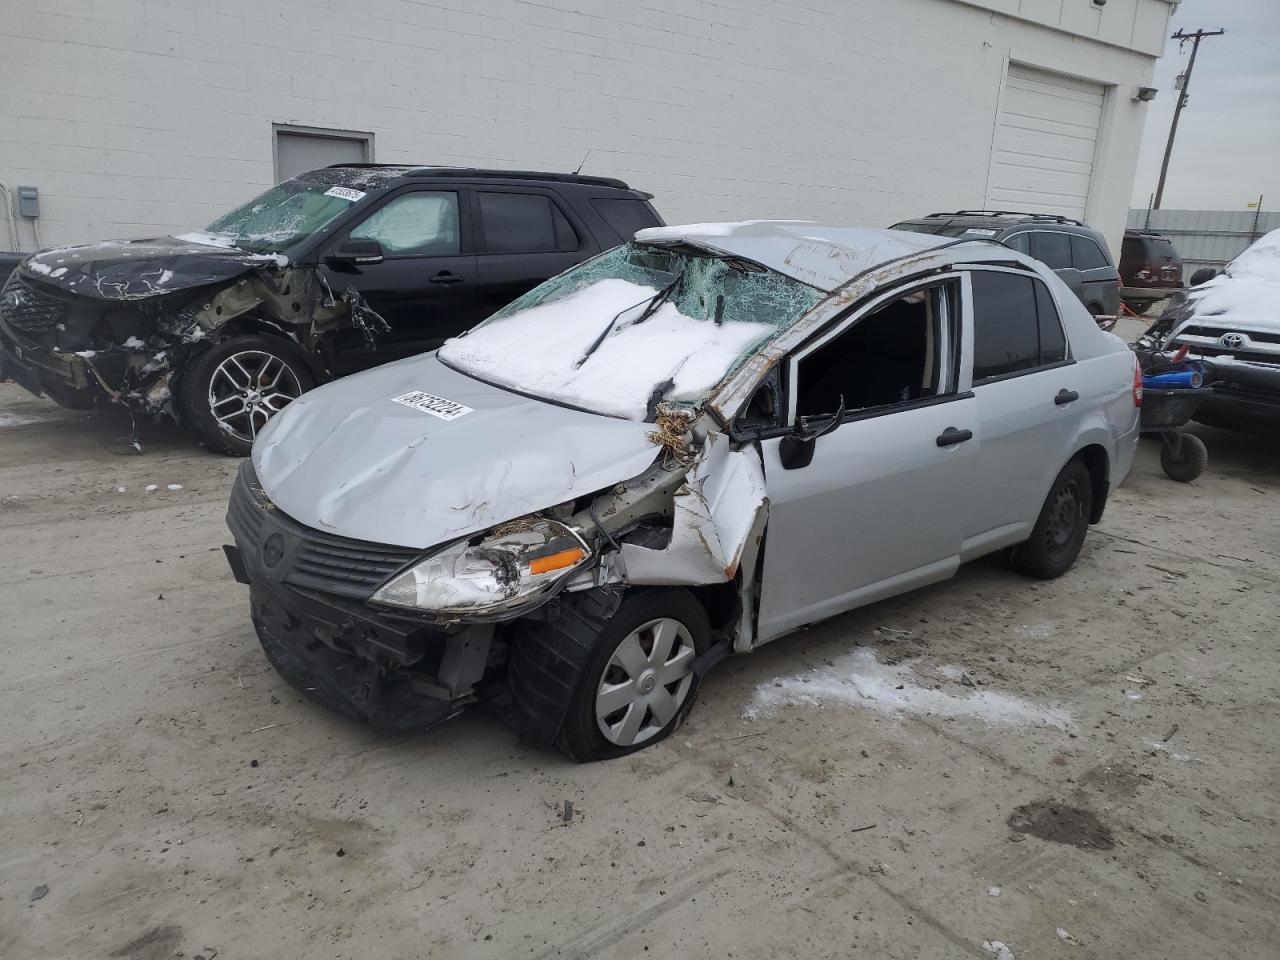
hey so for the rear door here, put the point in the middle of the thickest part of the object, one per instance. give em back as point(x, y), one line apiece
point(877, 510)
point(425, 285)
point(524, 236)
point(1027, 391)
point(1099, 280)
point(1053, 249)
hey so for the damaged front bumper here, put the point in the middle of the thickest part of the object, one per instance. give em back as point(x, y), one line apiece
point(307, 592)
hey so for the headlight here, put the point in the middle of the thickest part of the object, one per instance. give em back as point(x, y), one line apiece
point(513, 564)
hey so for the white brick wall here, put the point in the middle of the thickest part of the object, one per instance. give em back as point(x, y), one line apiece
point(138, 117)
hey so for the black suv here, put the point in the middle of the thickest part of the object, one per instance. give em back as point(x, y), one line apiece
point(330, 272)
point(1075, 252)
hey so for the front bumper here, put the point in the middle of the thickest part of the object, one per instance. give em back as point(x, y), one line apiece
point(307, 588)
point(1149, 294)
point(64, 378)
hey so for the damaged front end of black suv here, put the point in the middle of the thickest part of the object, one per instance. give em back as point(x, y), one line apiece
point(121, 322)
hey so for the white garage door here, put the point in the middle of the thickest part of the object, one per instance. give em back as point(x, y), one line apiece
point(1045, 143)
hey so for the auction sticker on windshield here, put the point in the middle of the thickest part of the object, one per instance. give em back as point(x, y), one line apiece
point(436, 406)
point(345, 193)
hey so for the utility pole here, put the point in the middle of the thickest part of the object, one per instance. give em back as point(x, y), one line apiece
point(1182, 100)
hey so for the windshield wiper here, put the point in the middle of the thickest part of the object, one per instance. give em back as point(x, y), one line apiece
point(657, 300)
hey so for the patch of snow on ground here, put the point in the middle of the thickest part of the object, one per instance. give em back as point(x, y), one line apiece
point(174, 486)
point(1066, 937)
point(537, 350)
point(993, 891)
point(858, 679)
point(133, 343)
point(152, 487)
point(20, 419)
point(998, 949)
point(951, 672)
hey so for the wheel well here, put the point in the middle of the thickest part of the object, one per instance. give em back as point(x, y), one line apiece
point(247, 324)
point(1094, 457)
point(721, 601)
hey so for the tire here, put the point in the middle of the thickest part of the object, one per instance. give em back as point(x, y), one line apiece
point(1192, 458)
point(560, 667)
point(1060, 529)
point(232, 372)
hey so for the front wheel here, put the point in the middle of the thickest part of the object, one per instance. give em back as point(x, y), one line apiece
point(232, 390)
point(636, 680)
point(1060, 529)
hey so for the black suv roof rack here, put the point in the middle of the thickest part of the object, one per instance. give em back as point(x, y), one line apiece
point(1048, 217)
point(411, 170)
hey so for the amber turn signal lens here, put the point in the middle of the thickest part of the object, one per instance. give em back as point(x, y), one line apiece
point(556, 561)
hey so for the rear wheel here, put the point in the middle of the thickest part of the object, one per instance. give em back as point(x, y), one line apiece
point(232, 390)
point(1060, 529)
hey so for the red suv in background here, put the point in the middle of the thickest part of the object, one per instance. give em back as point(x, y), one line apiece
point(1150, 270)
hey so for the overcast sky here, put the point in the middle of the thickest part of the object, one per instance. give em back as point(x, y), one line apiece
point(1228, 146)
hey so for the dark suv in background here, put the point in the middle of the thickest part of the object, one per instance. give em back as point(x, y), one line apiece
point(328, 273)
point(1076, 252)
point(1150, 270)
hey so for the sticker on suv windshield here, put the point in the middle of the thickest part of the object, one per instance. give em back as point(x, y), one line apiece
point(436, 406)
point(980, 233)
point(345, 193)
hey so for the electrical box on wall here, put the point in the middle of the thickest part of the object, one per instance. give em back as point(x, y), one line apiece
point(29, 201)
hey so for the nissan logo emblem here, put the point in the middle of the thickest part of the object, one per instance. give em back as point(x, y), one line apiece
point(273, 550)
point(1232, 341)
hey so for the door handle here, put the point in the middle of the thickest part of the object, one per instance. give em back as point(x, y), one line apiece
point(951, 436)
point(1066, 396)
point(444, 276)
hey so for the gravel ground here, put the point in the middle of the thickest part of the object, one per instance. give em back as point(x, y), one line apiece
point(1082, 768)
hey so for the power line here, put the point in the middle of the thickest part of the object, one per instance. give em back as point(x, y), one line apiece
point(1182, 101)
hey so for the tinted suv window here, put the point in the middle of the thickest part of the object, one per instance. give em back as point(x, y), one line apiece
point(1016, 325)
point(524, 223)
point(414, 224)
point(625, 217)
point(1051, 249)
point(1087, 255)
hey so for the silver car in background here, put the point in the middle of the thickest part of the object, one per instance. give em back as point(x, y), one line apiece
point(683, 449)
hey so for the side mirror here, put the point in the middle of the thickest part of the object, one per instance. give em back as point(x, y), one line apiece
point(357, 252)
point(796, 449)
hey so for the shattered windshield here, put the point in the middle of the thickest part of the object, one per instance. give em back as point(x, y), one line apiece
point(635, 327)
point(287, 213)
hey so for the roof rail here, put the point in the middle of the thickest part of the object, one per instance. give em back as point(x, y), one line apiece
point(415, 170)
point(1048, 217)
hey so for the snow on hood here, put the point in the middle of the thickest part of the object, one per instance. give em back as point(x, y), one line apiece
point(415, 454)
point(539, 350)
point(136, 269)
point(1247, 294)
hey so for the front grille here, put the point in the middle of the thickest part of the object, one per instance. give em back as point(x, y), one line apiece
point(1199, 331)
point(315, 560)
point(31, 308)
point(1248, 355)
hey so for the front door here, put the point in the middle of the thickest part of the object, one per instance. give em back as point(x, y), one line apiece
point(880, 507)
point(425, 285)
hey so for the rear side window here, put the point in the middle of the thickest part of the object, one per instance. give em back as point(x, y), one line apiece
point(625, 217)
point(1016, 325)
point(1020, 242)
point(1087, 255)
point(524, 223)
point(1051, 249)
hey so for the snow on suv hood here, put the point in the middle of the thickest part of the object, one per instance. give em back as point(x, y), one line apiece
point(371, 458)
point(1247, 293)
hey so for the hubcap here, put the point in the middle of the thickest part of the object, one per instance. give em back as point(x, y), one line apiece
point(247, 389)
point(645, 683)
point(1064, 519)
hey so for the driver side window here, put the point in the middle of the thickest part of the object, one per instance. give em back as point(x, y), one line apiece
point(422, 224)
point(894, 355)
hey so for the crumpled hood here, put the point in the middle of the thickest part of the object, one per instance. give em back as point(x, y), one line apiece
point(352, 459)
point(135, 269)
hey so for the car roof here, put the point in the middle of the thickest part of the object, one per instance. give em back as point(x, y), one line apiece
point(825, 257)
point(375, 174)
